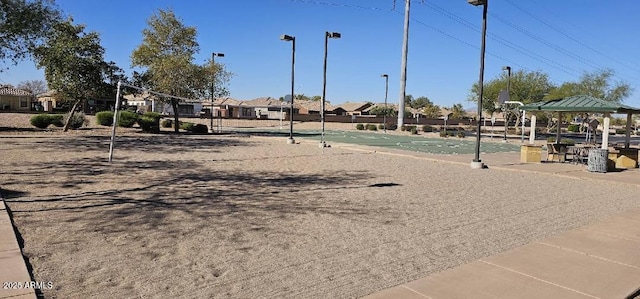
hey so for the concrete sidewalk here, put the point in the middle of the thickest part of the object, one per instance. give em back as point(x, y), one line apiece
point(601, 260)
point(13, 270)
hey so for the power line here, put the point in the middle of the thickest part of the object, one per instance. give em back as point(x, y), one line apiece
point(340, 5)
point(571, 37)
point(546, 61)
point(505, 42)
point(522, 49)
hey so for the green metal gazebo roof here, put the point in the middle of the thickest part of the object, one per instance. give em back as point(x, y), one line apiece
point(580, 103)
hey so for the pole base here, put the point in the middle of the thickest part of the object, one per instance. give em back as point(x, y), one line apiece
point(322, 145)
point(291, 141)
point(211, 131)
point(477, 165)
point(504, 141)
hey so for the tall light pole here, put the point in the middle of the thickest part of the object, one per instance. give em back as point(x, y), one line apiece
point(291, 39)
point(327, 35)
point(213, 81)
point(386, 92)
point(403, 67)
point(504, 111)
point(477, 163)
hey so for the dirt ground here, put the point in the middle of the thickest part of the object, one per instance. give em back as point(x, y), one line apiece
point(179, 216)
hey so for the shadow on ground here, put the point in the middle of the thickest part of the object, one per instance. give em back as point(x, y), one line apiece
point(143, 195)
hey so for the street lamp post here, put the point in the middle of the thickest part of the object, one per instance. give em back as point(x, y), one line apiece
point(508, 69)
point(386, 91)
point(213, 81)
point(327, 35)
point(291, 39)
point(477, 163)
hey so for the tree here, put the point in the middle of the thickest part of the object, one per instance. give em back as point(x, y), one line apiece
point(73, 64)
point(420, 102)
point(408, 99)
point(23, 26)
point(382, 111)
point(597, 84)
point(526, 87)
point(457, 112)
point(431, 110)
point(35, 87)
point(167, 52)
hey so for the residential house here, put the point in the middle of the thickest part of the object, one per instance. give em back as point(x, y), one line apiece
point(313, 107)
point(268, 108)
point(47, 100)
point(143, 102)
point(15, 99)
point(354, 108)
point(230, 108)
point(50, 102)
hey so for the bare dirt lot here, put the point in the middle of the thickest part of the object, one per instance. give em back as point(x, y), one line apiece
point(177, 216)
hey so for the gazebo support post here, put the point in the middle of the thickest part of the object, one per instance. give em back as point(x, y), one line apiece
point(559, 126)
point(627, 139)
point(532, 133)
point(605, 131)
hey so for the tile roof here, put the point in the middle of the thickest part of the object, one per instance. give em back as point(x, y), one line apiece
point(354, 106)
point(263, 102)
point(10, 91)
point(580, 103)
point(314, 105)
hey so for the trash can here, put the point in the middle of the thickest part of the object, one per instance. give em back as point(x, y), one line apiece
point(597, 160)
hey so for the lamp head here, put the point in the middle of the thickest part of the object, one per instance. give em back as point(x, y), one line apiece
point(218, 54)
point(506, 68)
point(384, 76)
point(285, 37)
point(477, 2)
point(334, 34)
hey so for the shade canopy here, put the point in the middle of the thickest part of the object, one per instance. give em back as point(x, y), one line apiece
point(580, 103)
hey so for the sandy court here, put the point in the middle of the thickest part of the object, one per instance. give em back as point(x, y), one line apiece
point(253, 217)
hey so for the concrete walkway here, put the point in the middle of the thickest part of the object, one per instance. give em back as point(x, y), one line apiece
point(13, 270)
point(601, 260)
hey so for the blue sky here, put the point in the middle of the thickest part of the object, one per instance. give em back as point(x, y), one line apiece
point(562, 38)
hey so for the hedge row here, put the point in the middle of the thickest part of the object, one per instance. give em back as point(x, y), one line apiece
point(149, 122)
point(43, 120)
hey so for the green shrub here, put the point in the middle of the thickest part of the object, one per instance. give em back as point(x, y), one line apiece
point(372, 127)
point(200, 129)
point(104, 118)
point(187, 126)
point(392, 127)
point(621, 131)
point(403, 128)
point(57, 120)
point(127, 119)
point(443, 133)
point(460, 134)
point(166, 123)
point(77, 120)
point(573, 128)
point(427, 128)
point(360, 127)
point(381, 126)
point(414, 130)
point(154, 115)
point(149, 124)
point(41, 121)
